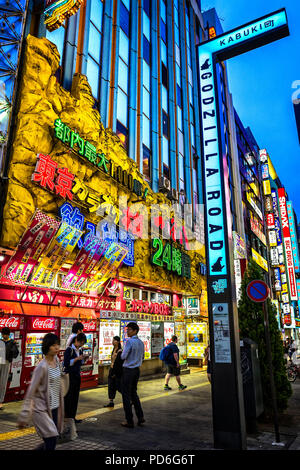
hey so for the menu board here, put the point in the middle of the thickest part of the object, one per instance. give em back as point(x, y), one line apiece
point(196, 334)
point(108, 329)
point(168, 332)
point(157, 338)
point(181, 343)
point(145, 335)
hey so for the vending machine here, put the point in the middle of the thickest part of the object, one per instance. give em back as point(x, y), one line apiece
point(89, 371)
point(36, 328)
point(16, 324)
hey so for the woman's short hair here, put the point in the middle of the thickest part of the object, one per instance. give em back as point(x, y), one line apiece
point(80, 337)
point(77, 326)
point(49, 340)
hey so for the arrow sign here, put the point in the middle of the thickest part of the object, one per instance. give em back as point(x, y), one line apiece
point(258, 291)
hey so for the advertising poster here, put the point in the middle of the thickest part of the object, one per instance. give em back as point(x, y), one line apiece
point(157, 338)
point(196, 338)
point(221, 334)
point(181, 343)
point(108, 329)
point(123, 331)
point(108, 265)
point(84, 263)
point(169, 331)
point(33, 244)
point(59, 250)
point(145, 335)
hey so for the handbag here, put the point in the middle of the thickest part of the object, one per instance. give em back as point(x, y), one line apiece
point(65, 383)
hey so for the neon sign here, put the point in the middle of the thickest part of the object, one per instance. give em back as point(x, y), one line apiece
point(171, 258)
point(57, 12)
point(88, 151)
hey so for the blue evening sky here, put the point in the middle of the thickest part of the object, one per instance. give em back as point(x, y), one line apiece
point(261, 84)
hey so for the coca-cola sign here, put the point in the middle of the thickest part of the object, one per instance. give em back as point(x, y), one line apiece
point(40, 323)
point(89, 326)
point(10, 322)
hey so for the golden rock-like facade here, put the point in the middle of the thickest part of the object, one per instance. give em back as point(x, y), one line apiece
point(41, 101)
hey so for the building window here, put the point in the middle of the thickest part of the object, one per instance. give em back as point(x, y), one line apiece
point(146, 50)
point(124, 18)
point(146, 163)
point(165, 120)
point(164, 75)
point(122, 133)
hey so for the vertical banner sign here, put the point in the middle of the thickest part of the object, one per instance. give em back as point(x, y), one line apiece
point(32, 246)
point(293, 234)
point(229, 425)
point(287, 244)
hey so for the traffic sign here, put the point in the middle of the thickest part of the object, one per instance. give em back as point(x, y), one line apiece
point(258, 291)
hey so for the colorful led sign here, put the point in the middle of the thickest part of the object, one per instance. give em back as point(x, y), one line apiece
point(287, 244)
point(56, 12)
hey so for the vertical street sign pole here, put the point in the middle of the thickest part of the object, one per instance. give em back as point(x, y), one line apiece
point(272, 383)
point(227, 392)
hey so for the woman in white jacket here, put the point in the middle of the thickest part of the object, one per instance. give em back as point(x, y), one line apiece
point(44, 399)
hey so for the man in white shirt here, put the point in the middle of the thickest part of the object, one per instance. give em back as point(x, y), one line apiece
point(133, 356)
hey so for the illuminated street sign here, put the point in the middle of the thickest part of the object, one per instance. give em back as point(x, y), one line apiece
point(228, 409)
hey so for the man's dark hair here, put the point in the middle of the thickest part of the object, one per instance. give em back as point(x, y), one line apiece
point(5, 331)
point(174, 338)
point(77, 326)
point(133, 326)
point(48, 341)
point(80, 337)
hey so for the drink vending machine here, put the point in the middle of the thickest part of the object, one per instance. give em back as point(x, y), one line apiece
point(90, 369)
point(16, 324)
point(36, 328)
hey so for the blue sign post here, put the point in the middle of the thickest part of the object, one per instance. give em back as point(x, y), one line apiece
point(228, 407)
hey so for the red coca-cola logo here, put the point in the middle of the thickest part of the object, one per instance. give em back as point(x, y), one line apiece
point(10, 322)
point(89, 326)
point(43, 323)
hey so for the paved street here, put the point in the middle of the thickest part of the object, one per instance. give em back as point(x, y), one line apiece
point(175, 420)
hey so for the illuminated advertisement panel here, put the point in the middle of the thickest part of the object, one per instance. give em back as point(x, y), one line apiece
point(287, 244)
point(293, 234)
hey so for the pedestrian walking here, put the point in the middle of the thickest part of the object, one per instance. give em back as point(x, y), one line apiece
point(115, 372)
point(133, 356)
point(172, 364)
point(293, 349)
point(44, 397)
point(8, 351)
point(76, 328)
point(73, 360)
point(207, 358)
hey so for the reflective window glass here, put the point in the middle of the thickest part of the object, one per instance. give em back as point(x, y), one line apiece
point(146, 102)
point(94, 43)
point(58, 38)
point(146, 26)
point(124, 47)
point(123, 76)
point(146, 131)
point(164, 98)
point(122, 107)
point(146, 75)
point(92, 71)
point(124, 19)
point(96, 13)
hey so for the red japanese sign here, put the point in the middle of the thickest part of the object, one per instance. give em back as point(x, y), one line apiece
point(13, 323)
point(149, 307)
point(270, 220)
point(49, 176)
point(40, 323)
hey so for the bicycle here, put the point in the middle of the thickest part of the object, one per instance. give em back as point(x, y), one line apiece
point(293, 371)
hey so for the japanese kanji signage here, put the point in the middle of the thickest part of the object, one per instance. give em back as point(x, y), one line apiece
point(171, 258)
point(88, 151)
point(149, 307)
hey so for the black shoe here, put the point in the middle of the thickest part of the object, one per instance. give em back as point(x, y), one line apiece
point(77, 421)
point(109, 405)
point(125, 424)
point(141, 421)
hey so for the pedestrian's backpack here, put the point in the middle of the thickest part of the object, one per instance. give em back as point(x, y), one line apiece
point(165, 354)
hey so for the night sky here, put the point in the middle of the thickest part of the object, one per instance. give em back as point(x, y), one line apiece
point(261, 82)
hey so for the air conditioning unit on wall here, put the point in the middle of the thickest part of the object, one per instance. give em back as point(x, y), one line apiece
point(164, 184)
point(173, 194)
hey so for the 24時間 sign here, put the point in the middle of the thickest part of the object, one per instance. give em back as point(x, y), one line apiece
point(287, 244)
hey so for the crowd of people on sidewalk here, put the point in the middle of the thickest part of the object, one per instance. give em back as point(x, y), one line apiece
point(51, 399)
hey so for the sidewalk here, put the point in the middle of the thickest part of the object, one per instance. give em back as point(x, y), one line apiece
point(175, 420)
